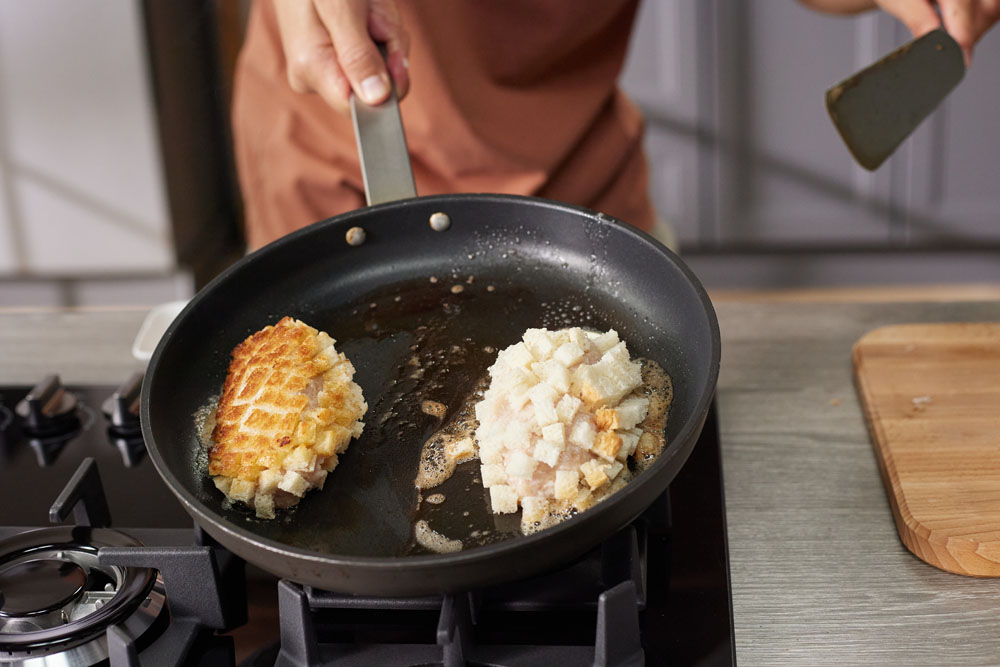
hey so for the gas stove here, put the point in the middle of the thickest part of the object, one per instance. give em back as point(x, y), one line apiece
point(156, 590)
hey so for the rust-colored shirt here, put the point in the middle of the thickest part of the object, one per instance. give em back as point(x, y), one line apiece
point(516, 97)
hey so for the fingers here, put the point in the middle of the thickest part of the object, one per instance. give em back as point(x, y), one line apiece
point(385, 26)
point(968, 20)
point(310, 59)
point(958, 17)
point(357, 55)
point(917, 15)
point(330, 48)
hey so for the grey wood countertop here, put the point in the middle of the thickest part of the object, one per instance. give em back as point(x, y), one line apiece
point(819, 574)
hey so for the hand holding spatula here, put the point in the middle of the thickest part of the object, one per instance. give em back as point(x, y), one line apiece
point(877, 108)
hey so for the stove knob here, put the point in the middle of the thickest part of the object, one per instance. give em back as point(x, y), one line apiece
point(48, 409)
point(122, 408)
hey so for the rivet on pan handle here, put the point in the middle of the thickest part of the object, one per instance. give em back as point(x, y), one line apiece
point(385, 160)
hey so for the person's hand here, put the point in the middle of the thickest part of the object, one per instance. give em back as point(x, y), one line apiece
point(965, 20)
point(330, 48)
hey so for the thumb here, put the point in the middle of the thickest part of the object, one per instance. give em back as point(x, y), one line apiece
point(359, 58)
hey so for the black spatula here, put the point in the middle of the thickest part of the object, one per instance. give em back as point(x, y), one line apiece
point(877, 108)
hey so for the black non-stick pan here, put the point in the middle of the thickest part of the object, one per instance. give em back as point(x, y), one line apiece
point(421, 312)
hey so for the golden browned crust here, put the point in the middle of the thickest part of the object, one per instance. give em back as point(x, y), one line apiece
point(288, 407)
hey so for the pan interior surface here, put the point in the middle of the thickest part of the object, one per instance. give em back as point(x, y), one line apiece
point(421, 315)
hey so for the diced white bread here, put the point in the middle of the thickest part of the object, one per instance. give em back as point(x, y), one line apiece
point(604, 341)
point(533, 509)
point(490, 452)
point(609, 380)
point(593, 473)
point(554, 433)
point(612, 469)
point(548, 452)
point(580, 338)
point(242, 490)
point(493, 474)
point(543, 342)
point(461, 450)
point(567, 482)
point(543, 398)
point(552, 373)
point(618, 354)
point(332, 441)
point(485, 409)
point(223, 483)
point(503, 498)
point(631, 411)
point(567, 408)
point(518, 397)
point(584, 499)
point(582, 433)
point(301, 459)
point(606, 445)
point(305, 433)
point(294, 483)
point(518, 376)
point(514, 356)
point(520, 464)
point(268, 481)
point(630, 439)
point(517, 435)
point(568, 354)
point(606, 419)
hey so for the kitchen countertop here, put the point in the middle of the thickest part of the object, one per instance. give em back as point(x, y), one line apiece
point(818, 571)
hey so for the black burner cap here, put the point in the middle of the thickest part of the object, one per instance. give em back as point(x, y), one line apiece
point(39, 586)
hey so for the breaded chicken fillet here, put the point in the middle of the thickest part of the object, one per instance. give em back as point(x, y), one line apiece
point(288, 408)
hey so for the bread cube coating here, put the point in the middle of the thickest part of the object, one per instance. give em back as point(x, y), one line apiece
point(557, 423)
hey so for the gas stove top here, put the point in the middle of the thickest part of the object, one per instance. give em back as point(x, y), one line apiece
point(657, 592)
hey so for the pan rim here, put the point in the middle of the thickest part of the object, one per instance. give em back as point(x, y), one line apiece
point(687, 433)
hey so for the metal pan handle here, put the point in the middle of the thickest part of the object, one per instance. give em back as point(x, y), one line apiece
point(385, 160)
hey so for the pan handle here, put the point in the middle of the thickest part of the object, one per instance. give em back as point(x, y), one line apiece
point(385, 160)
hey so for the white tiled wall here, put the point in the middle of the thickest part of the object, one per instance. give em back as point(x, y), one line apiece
point(81, 184)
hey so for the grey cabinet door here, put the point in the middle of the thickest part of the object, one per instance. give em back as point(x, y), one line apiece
point(949, 187)
point(784, 175)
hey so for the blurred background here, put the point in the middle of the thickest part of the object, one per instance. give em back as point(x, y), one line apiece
point(117, 184)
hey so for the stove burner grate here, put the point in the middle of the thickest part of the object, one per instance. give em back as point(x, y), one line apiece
point(59, 598)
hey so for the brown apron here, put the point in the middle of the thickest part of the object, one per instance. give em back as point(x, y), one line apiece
point(518, 96)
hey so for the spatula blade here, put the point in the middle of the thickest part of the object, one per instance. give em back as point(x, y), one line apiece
point(877, 108)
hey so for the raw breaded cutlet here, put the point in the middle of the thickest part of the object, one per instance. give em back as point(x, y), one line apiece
point(288, 408)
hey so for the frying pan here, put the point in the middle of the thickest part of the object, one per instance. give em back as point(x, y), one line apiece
point(421, 313)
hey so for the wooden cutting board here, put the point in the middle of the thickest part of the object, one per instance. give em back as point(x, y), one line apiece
point(931, 396)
